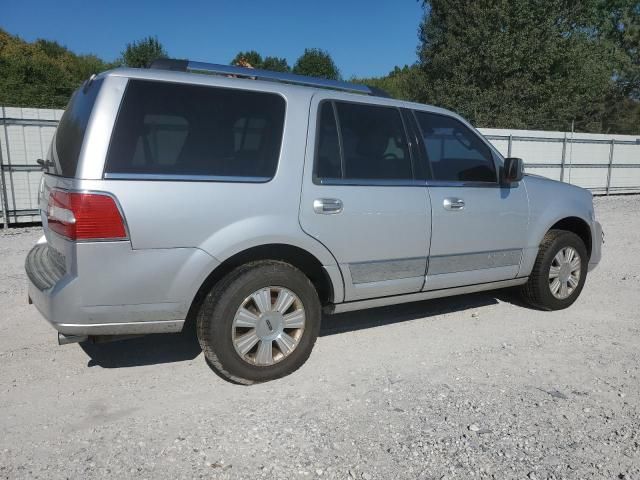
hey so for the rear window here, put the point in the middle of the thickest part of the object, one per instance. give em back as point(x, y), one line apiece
point(67, 143)
point(176, 129)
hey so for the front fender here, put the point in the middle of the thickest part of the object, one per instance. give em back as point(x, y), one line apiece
point(550, 202)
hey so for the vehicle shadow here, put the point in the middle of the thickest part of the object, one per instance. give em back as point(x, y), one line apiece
point(178, 347)
point(377, 317)
point(144, 350)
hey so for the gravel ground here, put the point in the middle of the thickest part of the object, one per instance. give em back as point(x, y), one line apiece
point(463, 387)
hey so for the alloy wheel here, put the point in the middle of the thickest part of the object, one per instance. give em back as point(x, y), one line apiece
point(268, 326)
point(564, 274)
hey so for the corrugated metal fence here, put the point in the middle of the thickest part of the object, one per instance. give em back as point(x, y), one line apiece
point(602, 163)
point(24, 138)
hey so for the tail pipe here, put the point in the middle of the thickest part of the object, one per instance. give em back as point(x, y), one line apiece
point(67, 339)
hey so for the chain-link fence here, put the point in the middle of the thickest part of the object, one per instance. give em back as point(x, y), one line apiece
point(602, 163)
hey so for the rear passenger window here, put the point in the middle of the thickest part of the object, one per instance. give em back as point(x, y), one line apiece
point(366, 143)
point(454, 151)
point(177, 129)
point(328, 163)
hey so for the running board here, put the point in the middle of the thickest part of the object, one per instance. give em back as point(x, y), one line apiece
point(416, 297)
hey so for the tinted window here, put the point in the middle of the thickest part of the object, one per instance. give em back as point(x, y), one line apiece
point(71, 129)
point(455, 152)
point(328, 153)
point(166, 128)
point(373, 143)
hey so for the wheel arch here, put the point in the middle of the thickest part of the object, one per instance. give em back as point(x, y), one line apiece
point(296, 256)
point(578, 226)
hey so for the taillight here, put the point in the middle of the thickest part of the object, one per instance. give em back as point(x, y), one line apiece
point(85, 216)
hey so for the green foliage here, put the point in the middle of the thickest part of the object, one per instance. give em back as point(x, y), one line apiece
point(513, 63)
point(141, 53)
point(406, 83)
point(316, 63)
point(619, 24)
point(532, 64)
point(41, 74)
point(276, 64)
point(253, 58)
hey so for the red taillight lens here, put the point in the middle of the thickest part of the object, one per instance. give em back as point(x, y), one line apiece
point(85, 216)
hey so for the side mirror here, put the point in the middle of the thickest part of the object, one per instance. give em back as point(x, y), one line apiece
point(513, 170)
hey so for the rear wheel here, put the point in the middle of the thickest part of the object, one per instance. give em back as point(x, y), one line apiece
point(559, 272)
point(260, 322)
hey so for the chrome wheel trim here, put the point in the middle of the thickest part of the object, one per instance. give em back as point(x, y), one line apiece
point(268, 326)
point(564, 273)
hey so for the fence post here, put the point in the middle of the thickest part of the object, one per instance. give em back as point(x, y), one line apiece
point(564, 154)
point(610, 165)
point(3, 184)
point(509, 145)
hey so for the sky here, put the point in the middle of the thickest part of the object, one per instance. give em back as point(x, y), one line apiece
point(365, 38)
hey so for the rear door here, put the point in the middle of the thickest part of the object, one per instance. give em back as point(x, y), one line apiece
point(479, 226)
point(361, 197)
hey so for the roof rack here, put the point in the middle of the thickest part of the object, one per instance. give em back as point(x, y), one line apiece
point(258, 74)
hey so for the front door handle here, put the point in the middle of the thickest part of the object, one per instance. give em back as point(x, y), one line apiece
point(453, 204)
point(327, 206)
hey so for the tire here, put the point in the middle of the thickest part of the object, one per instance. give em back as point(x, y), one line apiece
point(225, 331)
point(537, 292)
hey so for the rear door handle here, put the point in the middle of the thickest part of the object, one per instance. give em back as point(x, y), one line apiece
point(327, 206)
point(453, 204)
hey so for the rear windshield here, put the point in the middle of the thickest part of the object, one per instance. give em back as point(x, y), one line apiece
point(175, 129)
point(65, 149)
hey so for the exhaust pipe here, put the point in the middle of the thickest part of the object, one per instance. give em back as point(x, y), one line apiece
point(67, 339)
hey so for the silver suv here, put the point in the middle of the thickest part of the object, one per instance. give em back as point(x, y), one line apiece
point(250, 201)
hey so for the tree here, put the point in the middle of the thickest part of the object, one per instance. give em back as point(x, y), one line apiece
point(316, 63)
point(406, 83)
point(275, 64)
point(251, 57)
point(141, 53)
point(619, 26)
point(516, 63)
point(41, 74)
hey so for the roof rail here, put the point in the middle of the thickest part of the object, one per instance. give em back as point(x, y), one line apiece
point(258, 74)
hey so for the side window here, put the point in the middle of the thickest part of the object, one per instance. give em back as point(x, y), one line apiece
point(327, 162)
point(168, 128)
point(454, 151)
point(370, 144)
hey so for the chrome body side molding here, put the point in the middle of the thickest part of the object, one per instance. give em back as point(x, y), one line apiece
point(416, 297)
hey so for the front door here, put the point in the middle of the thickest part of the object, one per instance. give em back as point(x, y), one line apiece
point(479, 227)
point(361, 199)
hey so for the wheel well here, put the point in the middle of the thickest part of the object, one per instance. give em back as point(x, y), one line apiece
point(577, 226)
point(299, 258)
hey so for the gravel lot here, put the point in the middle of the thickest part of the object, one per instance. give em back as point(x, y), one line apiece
point(463, 387)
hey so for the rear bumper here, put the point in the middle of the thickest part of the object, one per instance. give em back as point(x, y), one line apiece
point(115, 290)
point(61, 310)
point(596, 244)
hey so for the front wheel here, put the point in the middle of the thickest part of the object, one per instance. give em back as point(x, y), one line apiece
point(260, 322)
point(559, 272)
